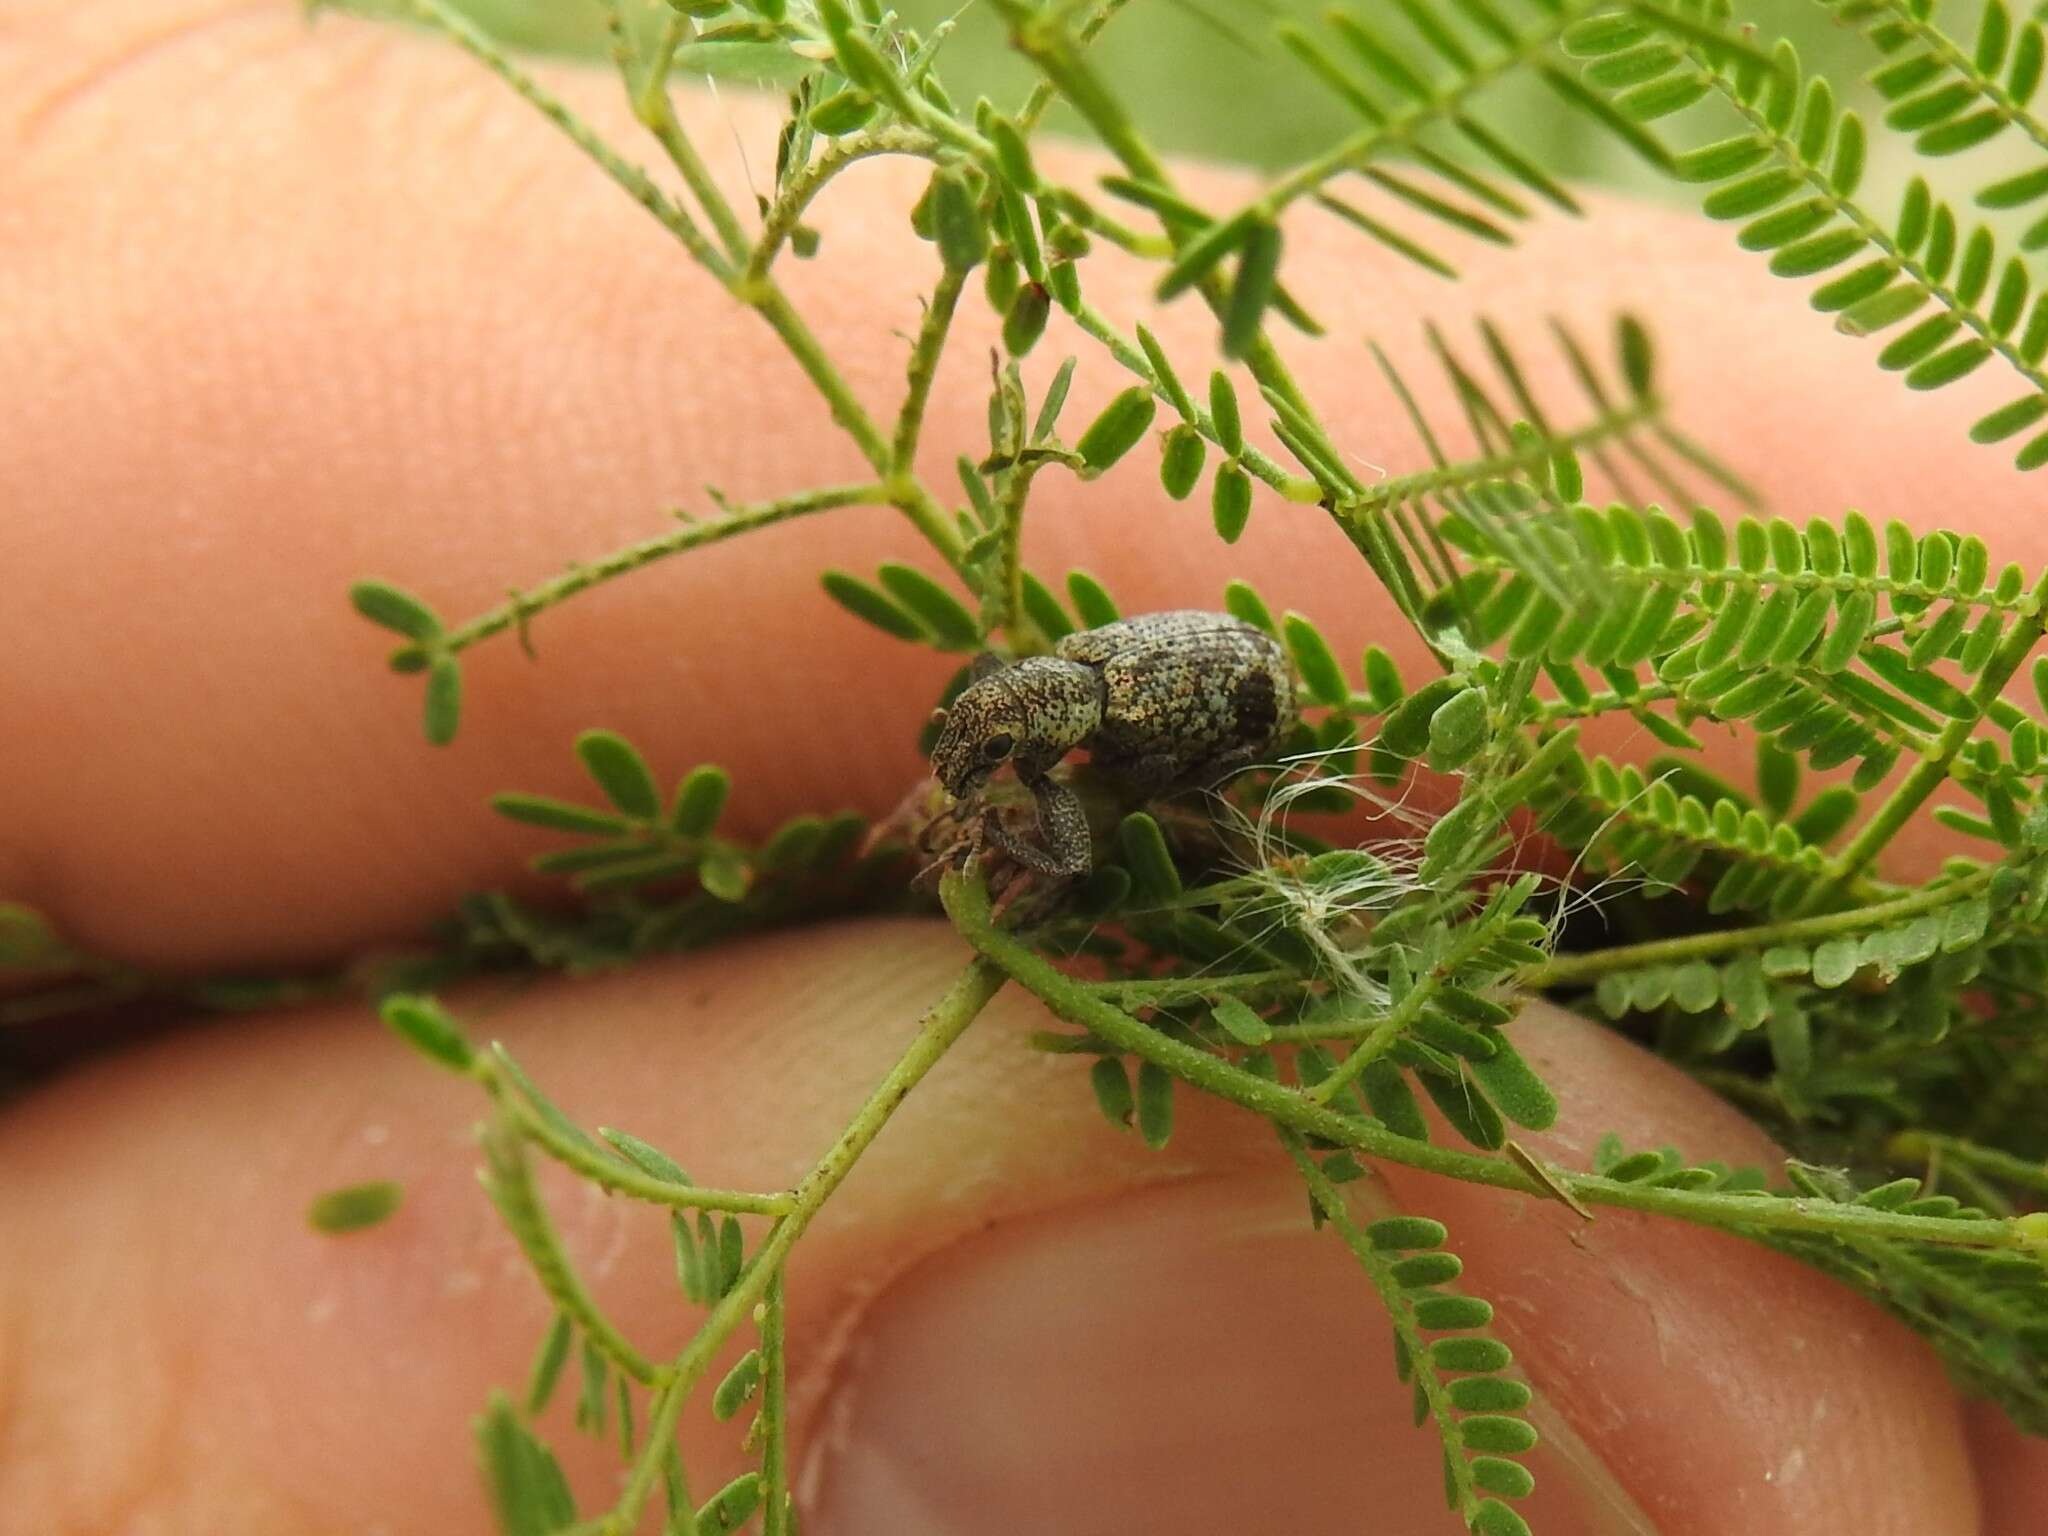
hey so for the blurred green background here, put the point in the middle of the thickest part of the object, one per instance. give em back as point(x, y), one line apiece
point(1205, 78)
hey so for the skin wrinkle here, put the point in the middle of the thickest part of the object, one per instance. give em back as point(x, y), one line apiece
point(41, 109)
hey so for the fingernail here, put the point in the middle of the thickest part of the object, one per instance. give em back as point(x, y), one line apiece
point(1190, 1358)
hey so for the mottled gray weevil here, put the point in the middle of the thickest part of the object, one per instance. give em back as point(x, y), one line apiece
point(1165, 702)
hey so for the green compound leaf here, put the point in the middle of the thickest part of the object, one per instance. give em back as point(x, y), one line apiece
point(956, 221)
point(442, 713)
point(395, 609)
point(559, 815)
point(1025, 320)
point(354, 1207)
point(1201, 254)
point(1477, 1355)
point(1155, 1104)
point(1112, 1086)
point(1392, 1102)
point(1484, 1394)
point(621, 773)
point(1118, 429)
point(724, 873)
point(1493, 1518)
point(1513, 1085)
point(1314, 660)
point(1252, 290)
point(27, 941)
point(1241, 601)
point(1091, 600)
point(1163, 370)
point(1013, 154)
point(1471, 1114)
point(1396, 1233)
point(1044, 610)
point(739, 1386)
point(1180, 461)
point(650, 1160)
point(1223, 414)
point(548, 1363)
point(1406, 731)
point(423, 1024)
point(1145, 855)
point(941, 615)
point(528, 1493)
point(1236, 1019)
point(1041, 430)
point(1231, 502)
point(869, 603)
point(700, 801)
point(1457, 731)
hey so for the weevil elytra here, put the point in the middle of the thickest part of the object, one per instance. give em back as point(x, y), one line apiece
point(1165, 702)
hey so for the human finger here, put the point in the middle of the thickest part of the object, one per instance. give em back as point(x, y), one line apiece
point(1009, 1305)
point(354, 310)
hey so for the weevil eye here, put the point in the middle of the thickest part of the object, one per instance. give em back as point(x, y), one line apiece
point(997, 747)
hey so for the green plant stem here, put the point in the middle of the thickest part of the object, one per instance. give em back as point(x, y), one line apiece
point(1377, 1040)
point(509, 1181)
point(1573, 970)
point(925, 353)
point(774, 1412)
point(1929, 773)
point(635, 181)
point(1920, 1146)
point(905, 492)
point(966, 902)
point(1534, 456)
point(803, 185)
point(1167, 989)
point(756, 290)
point(940, 1028)
point(522, 606)
point(686, 1502)
point(1042, 94)
point(622, 1178)
point(1400, 1308)
point(657, 113)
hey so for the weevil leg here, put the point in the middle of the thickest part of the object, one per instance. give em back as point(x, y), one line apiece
point(1061, 823)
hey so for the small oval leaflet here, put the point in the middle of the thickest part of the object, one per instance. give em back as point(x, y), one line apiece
point(1457, 731)
point(354, 1207)
point(1117, 430)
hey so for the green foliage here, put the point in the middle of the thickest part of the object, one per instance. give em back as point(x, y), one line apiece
point(1569, 560)
point(1791, 172)
point(423, 1024)
point(1443, 1352)
point(663, 878)
point(529, 1494)
point(354, 1207)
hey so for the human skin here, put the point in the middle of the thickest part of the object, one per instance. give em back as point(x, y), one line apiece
point(282, 308)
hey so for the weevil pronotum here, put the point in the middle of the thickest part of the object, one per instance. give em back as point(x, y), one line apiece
point(1165, 702)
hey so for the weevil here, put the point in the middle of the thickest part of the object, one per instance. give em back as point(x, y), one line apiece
point(1165, 702)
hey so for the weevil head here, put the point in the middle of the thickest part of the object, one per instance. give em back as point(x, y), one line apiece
point(981, 732)
point(1031, 714)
